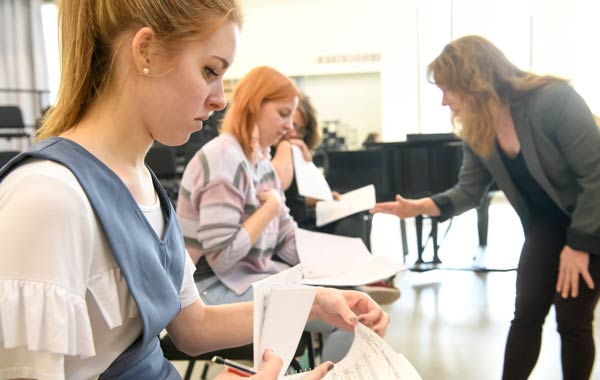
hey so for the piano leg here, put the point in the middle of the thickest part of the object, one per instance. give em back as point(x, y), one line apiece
point(434, 236)
point(420, 247)
point(404, 240)
point(421, 265)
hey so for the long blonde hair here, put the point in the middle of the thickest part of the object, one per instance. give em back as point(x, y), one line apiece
point(485, 79)
point(89, 30)
point(262, 84)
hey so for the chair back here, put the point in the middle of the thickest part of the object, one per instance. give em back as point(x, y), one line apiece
point(11, 123)
point(11, 117)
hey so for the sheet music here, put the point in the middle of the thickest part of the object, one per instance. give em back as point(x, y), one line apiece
point(369, 358)
point(335, 260)
point(281, 309)
point(349, 203)
point(309, 179)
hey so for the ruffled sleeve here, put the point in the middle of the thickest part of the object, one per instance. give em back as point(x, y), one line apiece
point(115, 302)
point(44, 317)
point(48, 237)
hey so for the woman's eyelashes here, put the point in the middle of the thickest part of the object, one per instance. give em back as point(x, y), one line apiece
point(210, 72)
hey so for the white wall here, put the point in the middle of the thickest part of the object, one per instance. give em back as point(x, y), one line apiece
point(391, 95)
point(354, 99)
point(546, 36)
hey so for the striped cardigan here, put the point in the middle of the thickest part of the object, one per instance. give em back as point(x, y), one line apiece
point(218, 193)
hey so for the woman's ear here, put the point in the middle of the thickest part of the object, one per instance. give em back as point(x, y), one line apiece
point(142, 47)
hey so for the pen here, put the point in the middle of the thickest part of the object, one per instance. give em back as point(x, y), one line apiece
point(234, 367)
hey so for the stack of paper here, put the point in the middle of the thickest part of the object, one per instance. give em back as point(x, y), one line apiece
point(349, 203)
point(309, 179)
point(311, 183)
point(370, 358)
point(281, 309)
point(333, 260)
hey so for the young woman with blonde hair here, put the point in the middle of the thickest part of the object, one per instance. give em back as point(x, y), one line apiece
point(536, 137)
point(93, 264)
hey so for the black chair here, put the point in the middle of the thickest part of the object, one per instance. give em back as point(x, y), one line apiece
point(237, 353)
point(161, 159)
point(11, 123)
point(357, 225)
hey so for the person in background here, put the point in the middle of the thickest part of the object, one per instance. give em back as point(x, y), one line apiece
point(306, 135)
point(231, 208)
point(536, 137)
point(93, 264)
point(231, 203)
point(372, 138)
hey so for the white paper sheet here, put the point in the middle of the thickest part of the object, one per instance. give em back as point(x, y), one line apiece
point(281, 308)
point(369, 358)
point(285, 318)
point(309, 179)
point(334, 260)
point(349, 203)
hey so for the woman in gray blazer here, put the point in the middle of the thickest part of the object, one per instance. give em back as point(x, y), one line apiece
point(537, 139)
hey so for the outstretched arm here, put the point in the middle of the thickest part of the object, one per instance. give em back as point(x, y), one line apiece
point(407, 208)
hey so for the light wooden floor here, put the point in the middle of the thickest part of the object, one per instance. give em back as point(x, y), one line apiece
point(452, 323)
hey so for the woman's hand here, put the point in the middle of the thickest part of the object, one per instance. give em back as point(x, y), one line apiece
point(345, 308)
point(269, 370)
point(573, 263)
point(336, 196)
point(271, 197)
point(272, 366)
point(305, 151)
point(407, 208)
point(319, 372)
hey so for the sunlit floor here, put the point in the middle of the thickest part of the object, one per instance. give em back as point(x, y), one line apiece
point(452, 323)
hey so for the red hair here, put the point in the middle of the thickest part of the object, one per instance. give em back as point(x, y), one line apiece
point(262, 84)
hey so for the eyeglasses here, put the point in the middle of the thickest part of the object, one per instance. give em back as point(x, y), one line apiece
point(300, 130)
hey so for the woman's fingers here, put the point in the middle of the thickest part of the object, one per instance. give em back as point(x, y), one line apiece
point(319, 372)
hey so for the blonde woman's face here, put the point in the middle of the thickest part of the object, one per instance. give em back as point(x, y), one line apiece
point(275, 120)
point(180, 97)
point(452, 99)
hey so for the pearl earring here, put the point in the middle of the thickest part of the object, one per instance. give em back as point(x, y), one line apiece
point(146, 71)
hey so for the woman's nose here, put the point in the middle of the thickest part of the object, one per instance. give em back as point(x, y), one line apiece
point(445, 100)
point(216, 100)
point(288, 125)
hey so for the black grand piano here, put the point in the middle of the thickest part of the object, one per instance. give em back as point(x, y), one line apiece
point(421, 166)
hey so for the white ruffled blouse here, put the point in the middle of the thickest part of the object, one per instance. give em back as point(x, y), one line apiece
point(65, 309)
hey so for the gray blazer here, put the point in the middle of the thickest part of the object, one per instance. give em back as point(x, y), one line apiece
point(560, 143)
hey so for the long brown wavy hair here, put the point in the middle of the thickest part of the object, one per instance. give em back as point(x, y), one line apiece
point(313, 135)
point(89, 31)
point(485, 79)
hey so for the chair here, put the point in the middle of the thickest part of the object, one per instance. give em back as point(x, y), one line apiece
point(161, 159)
point(237, 353)
point(357, 225)
point(11, 123)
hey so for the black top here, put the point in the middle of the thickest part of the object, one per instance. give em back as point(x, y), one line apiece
point(303, 215)
point(541, 205)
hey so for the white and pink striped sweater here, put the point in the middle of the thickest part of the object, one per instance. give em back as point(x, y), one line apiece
point(218, 193)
